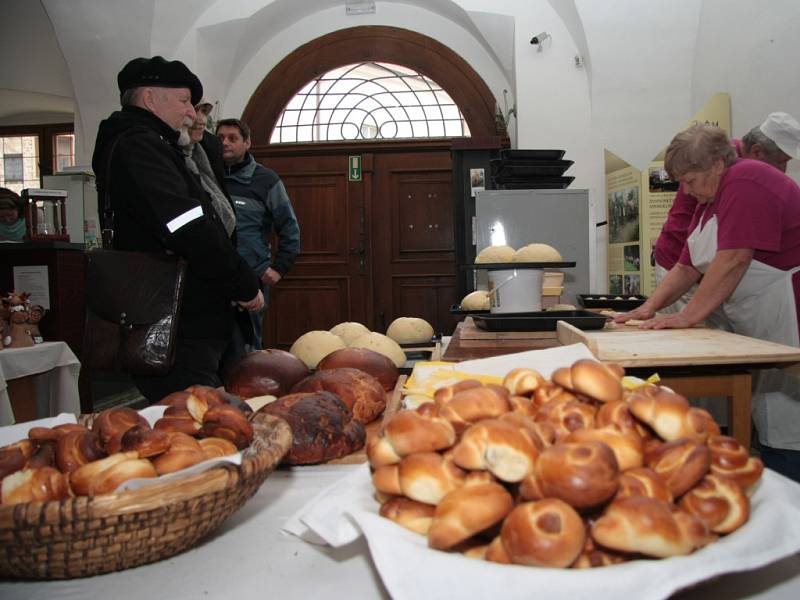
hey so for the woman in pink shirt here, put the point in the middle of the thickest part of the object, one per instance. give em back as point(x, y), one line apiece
point(744, 250)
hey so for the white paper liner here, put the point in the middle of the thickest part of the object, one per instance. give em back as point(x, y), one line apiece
point(14, 433)
point(410, 570)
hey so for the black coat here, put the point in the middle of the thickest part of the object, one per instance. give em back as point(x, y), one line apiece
point(159, 205)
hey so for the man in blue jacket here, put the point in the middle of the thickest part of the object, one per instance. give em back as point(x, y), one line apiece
point(262, 207)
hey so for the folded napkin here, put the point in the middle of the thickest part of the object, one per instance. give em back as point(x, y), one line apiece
point(410, 570)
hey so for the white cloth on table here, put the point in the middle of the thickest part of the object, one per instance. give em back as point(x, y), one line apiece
point(56, 370)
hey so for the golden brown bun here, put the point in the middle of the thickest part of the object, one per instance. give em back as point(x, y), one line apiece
point(229, 423)
point(547, 533)
point(596, 380)
point(719, 503)
point(549, 391)
point(201, 398)
point(643, 481)
point(34, 485)
point(144, 441)
point(583, 474)
point(627, 448)
point(215, 447)
point(184, 451)
point(369, 361)
point(496, 552)
point(83, 479)
point(443, 395)
point(410, 514)
point(113, 422)
point(115, 475)
point(593, 556)
point(523, 405)
point(407, 432)
point(541, 433)
point(386, 480)
point(732, 460)
point(178, 420)
point(651, 527)
point(466, 511)
point(265, 372)
point(428, 476)
point(566, 417)
point(76, 448)
point(618, 415)
point(680, 464)
point(670, 415)
point(43, 456)
point(523, 382)
point(14, 456)
point(501, 447)
point(476, 403)
point(363, 394)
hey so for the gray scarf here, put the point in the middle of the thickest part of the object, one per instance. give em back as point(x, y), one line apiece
point(197, 162)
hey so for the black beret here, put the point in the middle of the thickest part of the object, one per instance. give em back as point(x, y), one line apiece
point(157, 72)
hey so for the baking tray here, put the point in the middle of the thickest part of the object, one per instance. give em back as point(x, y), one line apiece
point(518, 265)
point(537, 154)
point(539, 321)
point(542, 182)
point(456, 309)
point(528, 169)
point(621, 303)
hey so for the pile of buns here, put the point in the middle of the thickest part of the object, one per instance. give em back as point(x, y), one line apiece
point(326, 410)
point(575, 471)
point(72, 460)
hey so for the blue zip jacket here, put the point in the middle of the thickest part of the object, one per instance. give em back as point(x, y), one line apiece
point(262, 206)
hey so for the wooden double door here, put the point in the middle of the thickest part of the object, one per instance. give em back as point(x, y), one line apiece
point(371, 250)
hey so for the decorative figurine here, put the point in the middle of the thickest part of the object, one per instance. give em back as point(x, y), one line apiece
point(36, 313)
point(18, 333)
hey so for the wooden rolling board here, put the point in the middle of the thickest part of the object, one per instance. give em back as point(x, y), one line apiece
point(470, 332)
point(634, 347)
point(393, 400)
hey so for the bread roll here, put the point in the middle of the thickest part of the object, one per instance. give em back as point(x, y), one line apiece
point(732, 460)
point(184, 451)
point(719, 503)
point(537, 253)
point(144, 441)
point(34, 485)
point(444, 394)
point(322, 426)
point(477, 300)
point(113, 422)
point(313, 346)
point(547, 533)
point(428, 476)
point(265, 372)
point(363, 394)
point(593, 556)
point(473, 404)
point(178, 420)
point(500, 447)
point(110, 479)
point(215, 447)
point(382, 345)
point(410, 431)
point(386, 480)
point(228, 423)
point(349, 331)
point(414, 516)
point(648, 526)
point(598, 381)
point(379, 366)
point(14, 456)
point(83, 478)
point(627, 447)
point(669, 414)
point(76, 448)
point(410, 330)
point(681, 464)
point(495, 254)
point(616, 414)
point(467, 511)
point(643, 481)
point(523, 382)
point(566, 417)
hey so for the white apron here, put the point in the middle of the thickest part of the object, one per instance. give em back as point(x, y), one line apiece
point(762, 306)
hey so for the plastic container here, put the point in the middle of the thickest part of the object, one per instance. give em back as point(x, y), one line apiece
point(515, 290)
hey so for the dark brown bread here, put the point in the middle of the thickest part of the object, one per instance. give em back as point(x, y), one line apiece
point(265, 372)
point(363, 394)
point(369, 361)
point(323, 427)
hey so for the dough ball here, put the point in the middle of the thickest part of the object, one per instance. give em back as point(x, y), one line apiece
point(537, 253)
point(410, 330)
point(349, 331)
point(382, 345)
point(495, 254)
point(477, 300)
point(313, 346)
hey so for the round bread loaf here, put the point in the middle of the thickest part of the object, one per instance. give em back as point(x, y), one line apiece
point(265, 372)
point(477, 300)
point(379, 366)
point(495, 254)
point(410, 330)
point(363, 394)
point(537, 253)
point(349, 331)
point(313, 346)
point(322, 426)
point(547, 533)
point(383, 345)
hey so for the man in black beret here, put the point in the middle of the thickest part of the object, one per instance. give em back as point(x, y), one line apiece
point(159, 205)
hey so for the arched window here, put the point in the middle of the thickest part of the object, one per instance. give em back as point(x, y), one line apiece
point(369, 101)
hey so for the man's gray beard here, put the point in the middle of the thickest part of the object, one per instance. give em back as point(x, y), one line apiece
point(184, 139)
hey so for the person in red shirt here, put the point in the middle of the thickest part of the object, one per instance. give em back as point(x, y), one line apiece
point(774, 142)
point(744, 250)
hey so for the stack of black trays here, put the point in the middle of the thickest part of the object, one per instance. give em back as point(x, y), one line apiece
point(530, 170)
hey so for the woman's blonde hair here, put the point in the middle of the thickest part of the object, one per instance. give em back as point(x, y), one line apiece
point(696, 149)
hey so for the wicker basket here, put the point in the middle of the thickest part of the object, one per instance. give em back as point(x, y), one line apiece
point(86, 536)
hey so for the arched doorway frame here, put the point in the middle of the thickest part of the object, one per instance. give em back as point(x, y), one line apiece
point(372, 43)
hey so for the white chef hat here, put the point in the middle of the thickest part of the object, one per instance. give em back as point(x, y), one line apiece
point(784, 130)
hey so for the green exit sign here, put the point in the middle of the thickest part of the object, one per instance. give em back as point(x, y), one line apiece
point(354, 168)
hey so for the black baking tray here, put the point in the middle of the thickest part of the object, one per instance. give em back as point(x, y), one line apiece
point(628, 302)
point(422, 345)
point(518, 265)
point(535, 154)
point(535, 185)
point(539, 321)
point(528, 169)
point(456, 309)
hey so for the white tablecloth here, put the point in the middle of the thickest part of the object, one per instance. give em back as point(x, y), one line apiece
point(56, 370)
point(249, 557)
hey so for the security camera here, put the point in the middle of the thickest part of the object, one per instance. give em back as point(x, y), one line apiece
point(539, 38)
